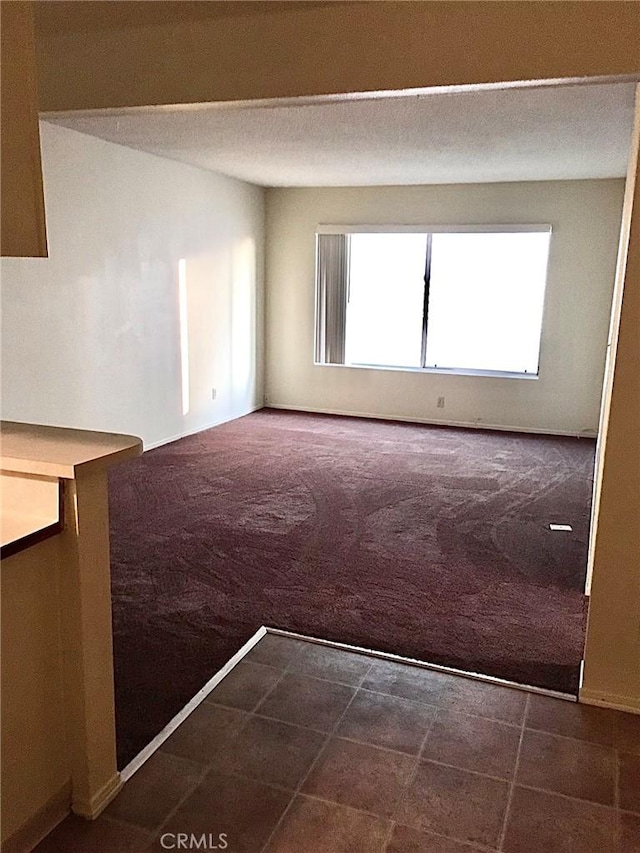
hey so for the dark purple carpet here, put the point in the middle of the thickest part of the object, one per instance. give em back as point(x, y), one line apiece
point(428, 542)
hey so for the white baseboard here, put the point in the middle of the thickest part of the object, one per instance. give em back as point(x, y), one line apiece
point(376, 416)
point(137, 762)
point(202, 428)
point(630, 704)
point(92, 808)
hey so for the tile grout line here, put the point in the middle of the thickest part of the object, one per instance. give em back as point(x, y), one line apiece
point(248, 711)
point(512, 786)
point(315, 761)
point(550, 791)
point(279, 787)
point(463, 769)
point(334, 803)
point(376, 655)
point(206, 768)
point(414, 770)
point(387, 836)
point(252, 712)
point(105, 818)
point(370, 744)
point(418, 761)
point(201, 696)
point(399, 752)
point(472, 845)
point(570, 737)
point(436, 708)
point(289, 667)
point(446, 708)
point(199, 780)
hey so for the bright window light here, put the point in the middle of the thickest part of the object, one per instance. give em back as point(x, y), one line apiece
point(385, 296)
point(464, 300)
point(486, 297)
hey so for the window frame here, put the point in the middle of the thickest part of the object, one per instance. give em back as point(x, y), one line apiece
point(464, 228)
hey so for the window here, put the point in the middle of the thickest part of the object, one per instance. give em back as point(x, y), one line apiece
point(466, 300)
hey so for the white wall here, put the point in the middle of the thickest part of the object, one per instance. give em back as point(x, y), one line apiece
point(91, 335)
point(565, 398)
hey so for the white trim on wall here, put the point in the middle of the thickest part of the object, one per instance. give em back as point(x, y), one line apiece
point(203, 428)
point(465, 228)
point(586, 433)
point(628, 704)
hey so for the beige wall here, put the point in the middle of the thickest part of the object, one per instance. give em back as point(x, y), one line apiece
point(22, 225)
point(467, 44)
point(612, 654)
point(585, 216)
point(36, 767)
point(90, 336)
point(226, 51)
point(58, 715)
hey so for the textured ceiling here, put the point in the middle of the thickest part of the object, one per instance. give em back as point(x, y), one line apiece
point(524, 134)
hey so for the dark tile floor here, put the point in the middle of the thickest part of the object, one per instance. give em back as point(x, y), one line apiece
point(309, 749)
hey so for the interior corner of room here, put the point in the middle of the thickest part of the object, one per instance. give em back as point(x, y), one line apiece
point(480, 521)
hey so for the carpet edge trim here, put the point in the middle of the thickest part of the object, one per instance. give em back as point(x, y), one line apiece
point(136, 763)
point(449, 670)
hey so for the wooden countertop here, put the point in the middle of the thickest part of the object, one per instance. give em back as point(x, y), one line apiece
point(60, 452)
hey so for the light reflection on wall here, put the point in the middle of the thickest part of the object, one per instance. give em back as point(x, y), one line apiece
point(243, 316)
point(184, 333)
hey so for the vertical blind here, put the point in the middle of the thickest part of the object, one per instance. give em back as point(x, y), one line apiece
point(332, 294)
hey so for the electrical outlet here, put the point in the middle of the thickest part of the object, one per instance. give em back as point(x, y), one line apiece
point(213, 393)
point(441, 402)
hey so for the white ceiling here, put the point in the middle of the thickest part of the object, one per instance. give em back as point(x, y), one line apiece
point(546, 133)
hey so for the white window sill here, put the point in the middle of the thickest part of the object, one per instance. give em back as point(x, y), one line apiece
point(447, 371)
